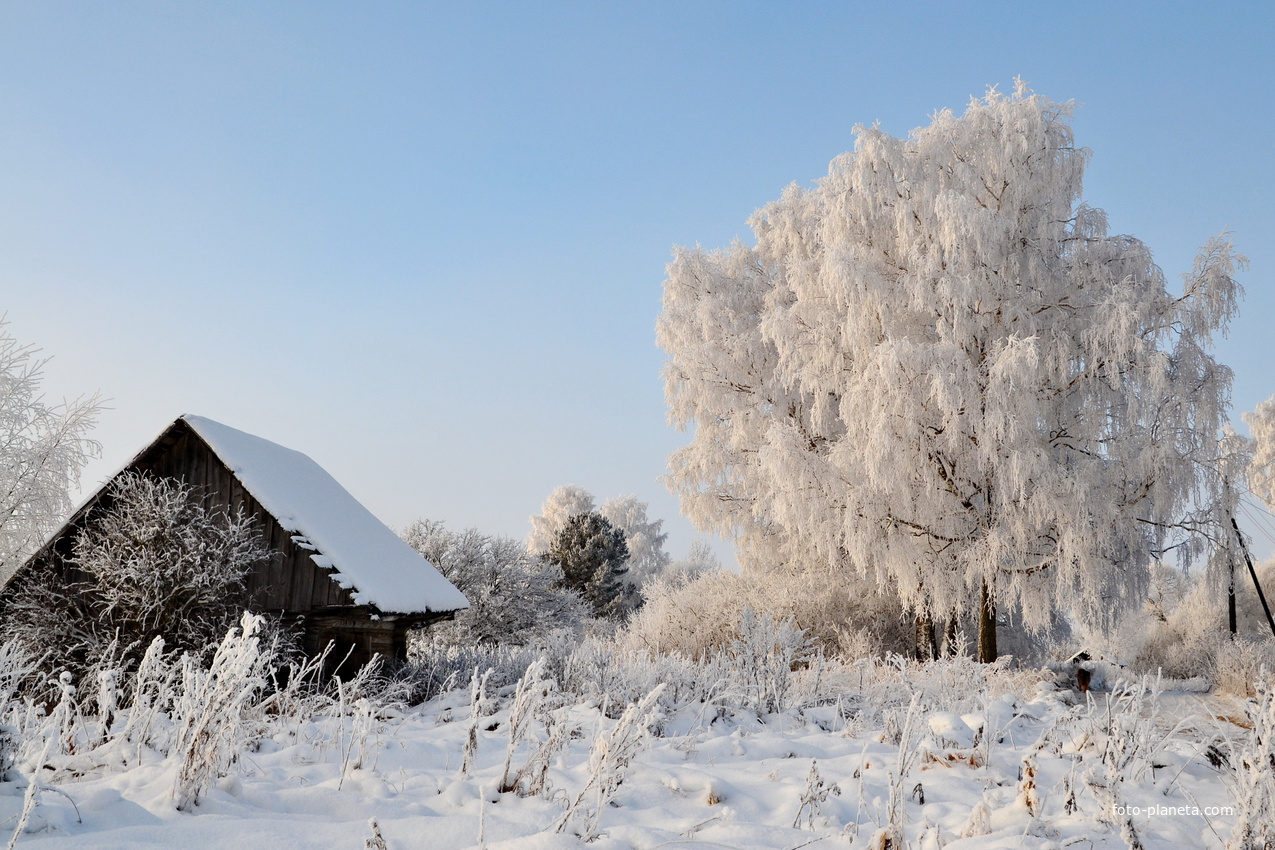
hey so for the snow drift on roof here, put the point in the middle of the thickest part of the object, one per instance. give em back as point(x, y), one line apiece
point(380, 568)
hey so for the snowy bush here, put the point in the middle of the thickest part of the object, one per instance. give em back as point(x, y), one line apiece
point(1183, 641)
point(1251, 617)
point(763, 658)
point(210, 711)
point(433, 668)
point(1181, 632)
point(1238, 665)
point(514, 597)
point(153, 563)
point(696, 614)
point(1254, 762)
point(600, 672)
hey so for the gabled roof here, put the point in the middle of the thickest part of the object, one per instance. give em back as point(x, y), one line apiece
point(377, 567)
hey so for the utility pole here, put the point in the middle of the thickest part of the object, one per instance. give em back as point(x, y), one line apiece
point(1230, 595)
point(1256, 584)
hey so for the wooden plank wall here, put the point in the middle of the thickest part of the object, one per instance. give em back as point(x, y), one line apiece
point(290, 581)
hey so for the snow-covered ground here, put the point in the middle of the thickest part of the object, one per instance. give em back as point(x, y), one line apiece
point(1035, 770)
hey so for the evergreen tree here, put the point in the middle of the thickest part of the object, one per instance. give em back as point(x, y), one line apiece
point(592, 555)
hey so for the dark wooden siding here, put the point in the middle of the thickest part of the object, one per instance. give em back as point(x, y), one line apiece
point(290, 581)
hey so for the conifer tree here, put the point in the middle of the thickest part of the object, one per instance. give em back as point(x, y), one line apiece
point(592, 555)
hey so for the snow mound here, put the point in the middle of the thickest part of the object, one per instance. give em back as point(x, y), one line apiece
point(951, 730)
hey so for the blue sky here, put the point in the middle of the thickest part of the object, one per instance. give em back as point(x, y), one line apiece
point(424, 243)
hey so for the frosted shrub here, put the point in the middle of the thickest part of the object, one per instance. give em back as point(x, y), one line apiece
point(1254, 764)
point(610, 757)
point(211, 709)
point(1181, 641)
point(1239, 663)
point(874, 691)
point(514, 596)
point(1250, 615)
point(154, 563)
point(694, 615)
point(599, 671)
point(434, 668)
point(687, 615)
point(1181, 631)
point(763, 657)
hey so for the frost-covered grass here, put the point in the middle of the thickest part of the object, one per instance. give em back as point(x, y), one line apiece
point(618, 749)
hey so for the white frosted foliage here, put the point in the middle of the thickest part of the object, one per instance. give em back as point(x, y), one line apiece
point(561, 505)
point(647, 557)
point(1261, 472)
point(43, 447)
point(642, 535)
point(938, 368)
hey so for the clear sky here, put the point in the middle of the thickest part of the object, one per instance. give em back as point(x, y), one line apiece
point(424, 242)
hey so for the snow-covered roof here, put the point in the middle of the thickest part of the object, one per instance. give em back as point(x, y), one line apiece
point(378, 567)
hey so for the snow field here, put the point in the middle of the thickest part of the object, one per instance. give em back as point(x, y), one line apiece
point(962, 765)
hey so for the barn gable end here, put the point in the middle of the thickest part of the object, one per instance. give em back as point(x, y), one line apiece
point(334, 567)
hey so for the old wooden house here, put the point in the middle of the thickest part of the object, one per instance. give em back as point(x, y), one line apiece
point(334, 567)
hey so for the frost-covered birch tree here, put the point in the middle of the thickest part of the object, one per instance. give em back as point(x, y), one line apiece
point(937, 367)
point(1261, 470)
point(642, 535)
point(42, 450)
point(559, 506)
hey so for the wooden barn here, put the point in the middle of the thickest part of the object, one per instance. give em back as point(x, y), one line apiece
point(335, 567)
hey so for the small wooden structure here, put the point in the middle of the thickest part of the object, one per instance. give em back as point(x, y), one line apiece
point(334, 567)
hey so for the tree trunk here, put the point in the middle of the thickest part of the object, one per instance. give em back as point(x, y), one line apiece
point(950, 648)
point(927, 648)
point(986, 626)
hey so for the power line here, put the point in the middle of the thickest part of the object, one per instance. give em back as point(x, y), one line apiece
point(1259, 518)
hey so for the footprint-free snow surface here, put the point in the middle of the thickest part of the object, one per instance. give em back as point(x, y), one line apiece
point(1037, 771)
